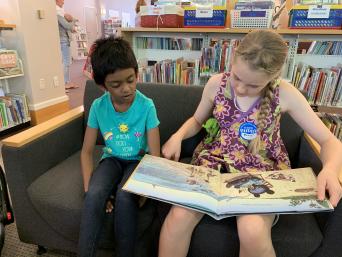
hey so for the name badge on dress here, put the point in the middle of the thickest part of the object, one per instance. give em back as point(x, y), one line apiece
point(248, 131)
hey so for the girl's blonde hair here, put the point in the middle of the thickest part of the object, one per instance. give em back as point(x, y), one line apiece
point(264, 51)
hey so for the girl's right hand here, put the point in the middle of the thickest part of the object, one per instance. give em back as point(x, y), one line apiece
point(172, 148)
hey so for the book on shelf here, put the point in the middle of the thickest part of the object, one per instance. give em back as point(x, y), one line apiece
point(323, 86)
point(222, 195)
point(325, 48)
point(13, 110)
point(333, 123)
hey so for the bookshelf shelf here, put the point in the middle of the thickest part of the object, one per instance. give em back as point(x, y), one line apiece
point(318, 61)
point(330, 109)
point(159, 54)
point(7, 26)
point(232, 31)
point(13, 76)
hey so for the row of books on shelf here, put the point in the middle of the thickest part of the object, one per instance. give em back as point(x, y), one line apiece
point(218, 57)
point(333, 122)
point(322, 86)
point(325, 48)
point(180, 71)
point(163, 43)
point(13, 110)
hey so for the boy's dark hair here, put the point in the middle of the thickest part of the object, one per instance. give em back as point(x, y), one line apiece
point(109, 55)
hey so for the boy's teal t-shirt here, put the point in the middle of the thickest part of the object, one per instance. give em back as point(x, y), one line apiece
point(124, 133)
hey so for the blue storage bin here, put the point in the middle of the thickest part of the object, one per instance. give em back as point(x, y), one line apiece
point(298, 19)
point(218, 20)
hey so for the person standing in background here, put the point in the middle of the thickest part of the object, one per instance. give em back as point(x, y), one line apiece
point(66, 25)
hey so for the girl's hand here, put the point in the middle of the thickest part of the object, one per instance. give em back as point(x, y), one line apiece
point(327, 180)
point(172, 148)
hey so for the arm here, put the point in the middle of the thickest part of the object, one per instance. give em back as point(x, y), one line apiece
point(87, 155)
point(292, 101)
point(172, 148)
point(153, 141)
point(64, 23)
point(68, 17)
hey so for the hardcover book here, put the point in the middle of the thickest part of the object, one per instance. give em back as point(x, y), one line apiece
point(227, 194)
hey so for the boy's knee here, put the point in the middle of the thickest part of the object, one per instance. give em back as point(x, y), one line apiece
point(96, 192)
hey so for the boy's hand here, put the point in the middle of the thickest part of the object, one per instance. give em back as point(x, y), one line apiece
point(328, 181)
point(109, 205)
point(172, 148)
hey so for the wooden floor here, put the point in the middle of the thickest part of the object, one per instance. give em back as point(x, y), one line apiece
point(77, 77)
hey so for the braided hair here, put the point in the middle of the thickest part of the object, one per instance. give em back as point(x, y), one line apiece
point(264, 51)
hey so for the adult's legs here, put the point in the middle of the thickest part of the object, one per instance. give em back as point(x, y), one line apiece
point(175, 235)
point(255, 235)
point(126, 215)
point(104, 178)
point(66, 60)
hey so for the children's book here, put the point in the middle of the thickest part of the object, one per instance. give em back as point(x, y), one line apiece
point(227, 194)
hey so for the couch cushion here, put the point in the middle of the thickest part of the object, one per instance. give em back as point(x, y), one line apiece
point(58, 195)
point(293, 236)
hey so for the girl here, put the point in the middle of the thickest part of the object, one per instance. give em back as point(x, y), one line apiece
point(247, 104)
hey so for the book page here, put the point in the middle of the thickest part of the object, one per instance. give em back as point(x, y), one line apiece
point(270, 191)
point(189, 185)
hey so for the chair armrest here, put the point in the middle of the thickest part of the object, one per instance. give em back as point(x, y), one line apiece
point(317, 149)
point(34, 151)
point(29, 155)
point(41, 129)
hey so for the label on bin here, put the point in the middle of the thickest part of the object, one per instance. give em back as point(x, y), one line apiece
point(318, 12)
point(204, 12)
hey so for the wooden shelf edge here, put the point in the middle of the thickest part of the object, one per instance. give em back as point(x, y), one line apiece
point(233, 31)
point(41, 129)
point(317, 149)
point(7, 26)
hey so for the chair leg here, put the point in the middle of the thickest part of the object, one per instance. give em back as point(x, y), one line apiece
point(41, 250)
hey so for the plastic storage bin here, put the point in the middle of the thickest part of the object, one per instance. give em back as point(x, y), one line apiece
point(299, 18)
point(218, 20)
point(251, 18)
point(169, 16)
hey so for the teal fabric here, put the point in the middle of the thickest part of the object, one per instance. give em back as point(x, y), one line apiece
point(124, 133)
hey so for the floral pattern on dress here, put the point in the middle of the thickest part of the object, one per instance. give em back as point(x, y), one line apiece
point(229, 152)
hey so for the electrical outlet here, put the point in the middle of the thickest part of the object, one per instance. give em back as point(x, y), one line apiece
point(55, 81)
point(42, 84)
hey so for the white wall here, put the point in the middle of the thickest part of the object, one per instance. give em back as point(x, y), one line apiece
point(76, 8)
point(127, 6)
point(37, 42)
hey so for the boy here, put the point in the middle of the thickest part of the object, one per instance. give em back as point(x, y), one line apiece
point(128, 123)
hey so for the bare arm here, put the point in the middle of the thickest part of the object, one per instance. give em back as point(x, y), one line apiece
point(153, 141)
point(172, 148)
point(295, 104)
point(87, 155)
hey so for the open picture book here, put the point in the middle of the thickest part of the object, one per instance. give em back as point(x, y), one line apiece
point(223, 195)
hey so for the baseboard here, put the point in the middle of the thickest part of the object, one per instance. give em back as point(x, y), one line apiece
point(49, 112)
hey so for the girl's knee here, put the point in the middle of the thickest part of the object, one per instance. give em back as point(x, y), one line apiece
point(253, 231)
point(179, 215)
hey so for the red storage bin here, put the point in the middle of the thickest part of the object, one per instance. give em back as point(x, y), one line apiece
point(169, 16)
